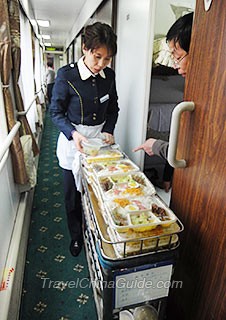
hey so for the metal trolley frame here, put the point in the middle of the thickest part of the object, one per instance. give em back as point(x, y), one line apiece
point(107, 268)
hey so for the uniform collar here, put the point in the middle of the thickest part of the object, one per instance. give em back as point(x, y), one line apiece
point(85, 73)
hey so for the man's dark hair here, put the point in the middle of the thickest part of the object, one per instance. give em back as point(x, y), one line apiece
point(180, 31)
point(98, 35)
point(49, 64)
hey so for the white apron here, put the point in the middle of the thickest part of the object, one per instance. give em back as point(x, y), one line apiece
point(69, 156)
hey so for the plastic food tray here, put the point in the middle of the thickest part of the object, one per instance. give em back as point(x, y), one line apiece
point(107, 168)
point(88, 175)
point(105, 154)
point(125, 185)
point(139, 214)
point(138, 221)
point(163, 212)
point(131, 247)
point(158, 231)
point(131, 204)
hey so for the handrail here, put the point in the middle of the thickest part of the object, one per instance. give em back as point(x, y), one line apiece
point(7, 142)
point(174, 133)
point(5, 147)
point(23, 113)
point(4, 159)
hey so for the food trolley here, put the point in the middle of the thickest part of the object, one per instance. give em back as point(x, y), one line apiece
point(122, 279)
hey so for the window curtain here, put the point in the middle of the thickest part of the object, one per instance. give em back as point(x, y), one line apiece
point(39, 71)
point(14, 19)
point(19, 170)
point(26, 81)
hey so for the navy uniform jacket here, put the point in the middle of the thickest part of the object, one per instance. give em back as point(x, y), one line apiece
point(88, 102)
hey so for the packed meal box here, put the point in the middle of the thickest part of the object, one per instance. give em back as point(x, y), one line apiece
point(104, 154)
point(104, 157)
point(127, 199)
point(105, 168)
point(139, 214)
point(125, 185)
point(152, 239)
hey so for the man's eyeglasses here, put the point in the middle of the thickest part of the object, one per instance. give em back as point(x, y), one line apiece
point(178, 61)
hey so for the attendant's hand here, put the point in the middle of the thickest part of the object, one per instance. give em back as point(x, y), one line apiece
point(108, 138)
point(78, 138)
point(146, 146)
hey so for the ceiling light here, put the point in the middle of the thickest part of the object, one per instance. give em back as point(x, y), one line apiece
point(46, 36)
point(43, 23)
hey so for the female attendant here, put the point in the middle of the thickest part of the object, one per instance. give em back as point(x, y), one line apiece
point(84, 105)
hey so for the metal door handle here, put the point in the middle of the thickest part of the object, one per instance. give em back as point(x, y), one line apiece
point(174, 131)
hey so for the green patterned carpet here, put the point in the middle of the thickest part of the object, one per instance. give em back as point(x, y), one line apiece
point(56, 285)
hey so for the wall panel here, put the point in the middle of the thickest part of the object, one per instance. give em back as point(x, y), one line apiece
point(135, 31)
point(9, 205)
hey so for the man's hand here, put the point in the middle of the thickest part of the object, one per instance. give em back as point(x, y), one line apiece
point(146, 146)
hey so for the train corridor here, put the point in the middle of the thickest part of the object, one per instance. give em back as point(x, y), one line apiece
point(56, 285)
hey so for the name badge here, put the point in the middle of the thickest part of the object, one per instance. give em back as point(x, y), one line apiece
point(104, 98)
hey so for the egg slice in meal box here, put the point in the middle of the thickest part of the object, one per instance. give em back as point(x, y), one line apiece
point(131, 207)
point(133, 184)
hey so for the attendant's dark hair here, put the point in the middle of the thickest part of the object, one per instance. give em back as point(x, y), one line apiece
point(98, 35)
point(180, 31)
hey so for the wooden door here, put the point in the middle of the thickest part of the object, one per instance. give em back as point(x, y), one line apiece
point(199, 192)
